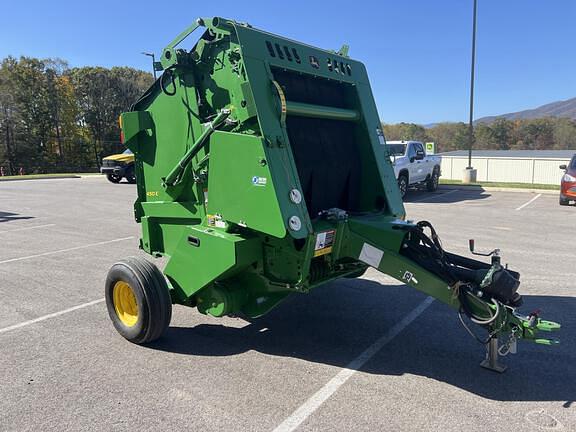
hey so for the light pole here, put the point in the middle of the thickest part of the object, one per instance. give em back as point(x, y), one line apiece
point(469, 172)
point(153, 61)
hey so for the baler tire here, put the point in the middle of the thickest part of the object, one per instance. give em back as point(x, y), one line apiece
point(150, 293)
point(113, 178)
point(564, 202)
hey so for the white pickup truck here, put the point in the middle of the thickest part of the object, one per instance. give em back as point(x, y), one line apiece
point(412, 166)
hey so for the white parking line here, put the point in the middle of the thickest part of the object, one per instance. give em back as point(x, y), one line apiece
point(314, 402)
point(52, 315)
point(433, 196)
point(65, 250)
point(27, 228)
point(28, 182)
point(529, 202)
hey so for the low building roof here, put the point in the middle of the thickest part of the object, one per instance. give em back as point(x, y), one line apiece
point(533, 154)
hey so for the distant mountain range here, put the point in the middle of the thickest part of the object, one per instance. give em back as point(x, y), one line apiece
point(565, 108)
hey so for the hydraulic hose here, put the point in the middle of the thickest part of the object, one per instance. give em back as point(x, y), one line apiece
point(432, 256)
point(169, 73)
point(175, 175)
point(489, 320)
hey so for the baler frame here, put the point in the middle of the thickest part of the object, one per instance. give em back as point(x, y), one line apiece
point(228, 193)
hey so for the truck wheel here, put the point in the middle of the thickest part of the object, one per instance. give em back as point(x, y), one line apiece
point(403, 184)
point(138, 300)
point(564, 201)
point(114, 178)
point(130, 175)
point(432, 183)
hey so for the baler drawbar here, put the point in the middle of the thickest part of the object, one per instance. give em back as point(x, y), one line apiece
point(261, 172)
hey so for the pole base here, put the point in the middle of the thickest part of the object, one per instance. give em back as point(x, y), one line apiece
point(469, 175)
point(491, 361)
point(494, 368)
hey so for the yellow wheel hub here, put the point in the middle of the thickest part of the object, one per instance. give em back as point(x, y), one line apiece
point(125, 303)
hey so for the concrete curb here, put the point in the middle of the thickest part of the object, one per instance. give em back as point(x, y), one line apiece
point(501, 189)
point(63, 176)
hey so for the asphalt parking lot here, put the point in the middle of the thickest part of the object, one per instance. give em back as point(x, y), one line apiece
point(64, 367)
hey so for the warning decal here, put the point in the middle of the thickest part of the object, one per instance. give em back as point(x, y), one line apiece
point(371, 255)
point(324, 242)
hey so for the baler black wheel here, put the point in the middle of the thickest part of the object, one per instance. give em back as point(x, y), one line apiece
point(113, 178)
point(564, 201)
point(138, 300)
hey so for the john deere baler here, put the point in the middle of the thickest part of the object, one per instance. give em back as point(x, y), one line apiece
point(262, 172)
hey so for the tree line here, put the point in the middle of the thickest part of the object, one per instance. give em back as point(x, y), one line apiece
point(536, 134)
point(54, 118)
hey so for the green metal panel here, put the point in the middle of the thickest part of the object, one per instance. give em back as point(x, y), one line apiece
point(202, 253)
point(240, 187)
point(381, 163)
point(134, 123)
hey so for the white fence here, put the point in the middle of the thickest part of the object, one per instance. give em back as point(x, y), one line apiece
point(509, 170)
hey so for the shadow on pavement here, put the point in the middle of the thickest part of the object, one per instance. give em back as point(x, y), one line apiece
point(7, 216)
point(446, 194)
point(336, 322)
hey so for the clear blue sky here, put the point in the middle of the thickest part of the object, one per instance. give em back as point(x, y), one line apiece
point(417, 52)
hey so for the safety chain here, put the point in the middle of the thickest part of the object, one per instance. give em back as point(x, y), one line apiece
point(510, 345)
